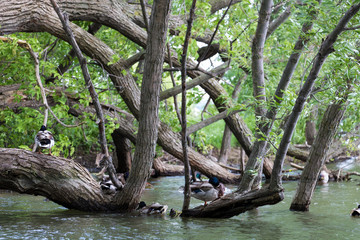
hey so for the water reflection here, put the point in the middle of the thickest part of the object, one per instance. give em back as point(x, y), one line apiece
point(30, 217)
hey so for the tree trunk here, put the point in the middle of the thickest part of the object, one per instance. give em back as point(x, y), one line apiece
point(325, 49)
point(164, 169)
point(310, 126)
point(318, 153)
point(123, 152)
point(60, 180)
point(234, 204)
point(255, 163)
point(149, 106)
point(226, 140)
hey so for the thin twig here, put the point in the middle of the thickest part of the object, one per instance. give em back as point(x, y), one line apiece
point(213, 36)
point(351, 28)
point(143, 9)
point(174, 84)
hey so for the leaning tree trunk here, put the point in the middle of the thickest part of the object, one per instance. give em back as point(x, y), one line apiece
point(325, 49)
point(255, 162)
point(226, 140)
point(310, 126)
point(318, 154)
point(61, 180)
point(234, 204)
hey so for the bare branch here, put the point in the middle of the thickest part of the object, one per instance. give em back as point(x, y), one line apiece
point(82, 60)
point(278, 21)
point(143, 9)
point(174, 84)
point(213, 36)
point(196, 127)
point(184, 142)
point(352, 28)
point(196, 81)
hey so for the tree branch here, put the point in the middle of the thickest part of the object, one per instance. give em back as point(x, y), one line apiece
point(94, 96)
point(325, 49)
point(184, 142)
point(196, 127)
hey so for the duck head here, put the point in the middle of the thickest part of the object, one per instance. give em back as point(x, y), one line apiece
point(214, 181)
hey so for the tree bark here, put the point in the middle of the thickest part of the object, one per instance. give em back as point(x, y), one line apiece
point(318, 153)
point(325, 49)
point(149, 106)
point(164, 169)
point(226, 140)
point(61, 180)
point(123, 152)
point(254, 166)
point(310, 126)
point(234, 204)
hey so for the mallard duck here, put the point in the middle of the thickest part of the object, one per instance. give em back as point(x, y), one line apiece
point(173, 213)
point(207, 191)
point(107, 185)
point(355, 212)
point(44, 139)
point(154, 208)
point(323, 177)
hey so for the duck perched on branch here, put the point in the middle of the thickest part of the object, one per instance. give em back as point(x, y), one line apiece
point(107, 185)
point(44, 139)
point(207, 191)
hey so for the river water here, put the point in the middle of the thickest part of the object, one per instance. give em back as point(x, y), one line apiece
point(32, 217)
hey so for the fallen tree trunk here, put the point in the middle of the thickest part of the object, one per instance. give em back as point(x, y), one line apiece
point(61, 180)
point(165, 169)
point(233, 204)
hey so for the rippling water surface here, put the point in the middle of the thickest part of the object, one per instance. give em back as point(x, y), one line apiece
point(30, 217)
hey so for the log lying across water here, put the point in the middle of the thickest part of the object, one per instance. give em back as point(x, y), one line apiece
point(234, 204)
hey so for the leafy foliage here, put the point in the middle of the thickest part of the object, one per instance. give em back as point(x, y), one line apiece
point(18, 127)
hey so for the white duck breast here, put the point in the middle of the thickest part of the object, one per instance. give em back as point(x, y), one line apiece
point(44, 139)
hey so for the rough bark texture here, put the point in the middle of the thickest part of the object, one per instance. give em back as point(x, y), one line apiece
point(165, 169)
point(233, 204)
point(149, 106)
point(123, 152)
point(318, 153)
point(60, 180)
point(310, 126)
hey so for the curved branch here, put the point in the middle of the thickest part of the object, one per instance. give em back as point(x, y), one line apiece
point(61, 180)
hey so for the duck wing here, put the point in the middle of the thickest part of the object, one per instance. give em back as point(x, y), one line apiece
point(204, 187)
